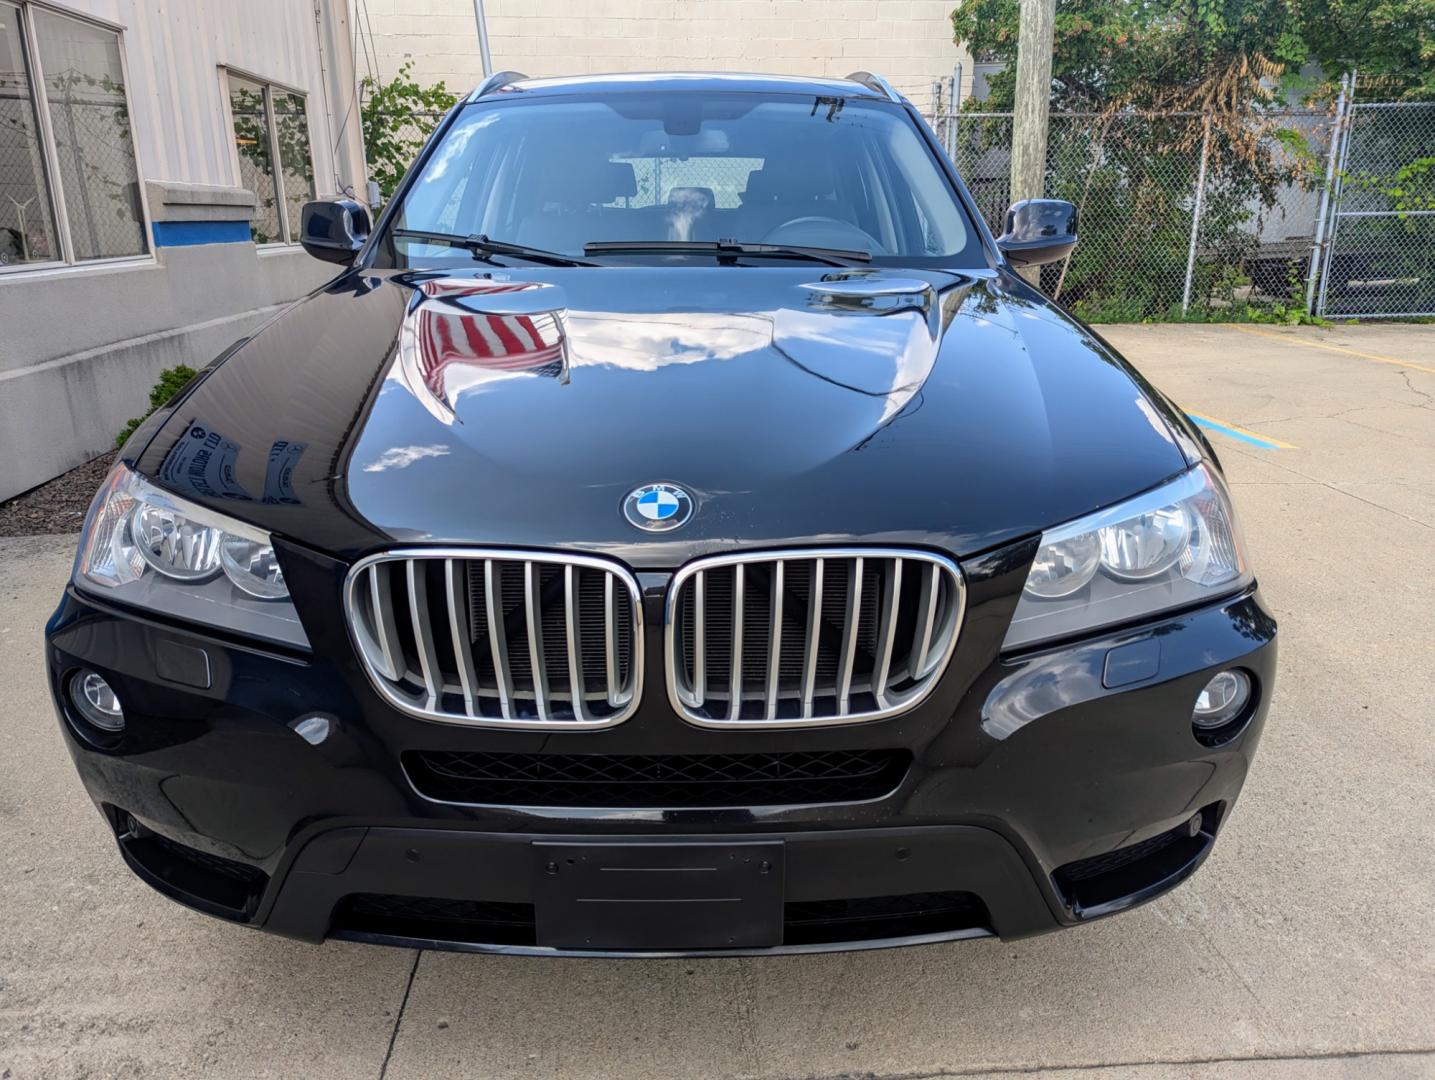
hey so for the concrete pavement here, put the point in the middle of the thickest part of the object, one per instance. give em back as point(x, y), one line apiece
point(1302, 949)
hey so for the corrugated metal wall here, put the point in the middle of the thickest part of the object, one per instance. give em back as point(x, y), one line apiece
point(175, 49)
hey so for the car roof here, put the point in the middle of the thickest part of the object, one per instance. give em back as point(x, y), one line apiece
point(860, 85)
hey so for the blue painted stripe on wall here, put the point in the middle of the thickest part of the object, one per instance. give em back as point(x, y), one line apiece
point(186, 233)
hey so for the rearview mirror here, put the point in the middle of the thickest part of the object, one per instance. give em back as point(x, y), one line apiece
point(334, 231)
point(1038, 231)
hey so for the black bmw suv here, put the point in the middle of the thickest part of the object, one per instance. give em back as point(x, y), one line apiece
point(677, 529)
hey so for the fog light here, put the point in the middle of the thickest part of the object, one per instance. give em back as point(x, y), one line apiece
point(96, 701)
point(312, 729)
point(1222, 700)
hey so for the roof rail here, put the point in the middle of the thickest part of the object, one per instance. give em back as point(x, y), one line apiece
point(875, 83)
point(497, 81)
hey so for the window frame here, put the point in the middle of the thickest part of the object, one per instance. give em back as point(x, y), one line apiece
point(270, 87)
point(49, 154)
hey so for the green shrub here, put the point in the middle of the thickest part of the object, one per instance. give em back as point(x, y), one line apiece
point(397, 118)
point(171, 382)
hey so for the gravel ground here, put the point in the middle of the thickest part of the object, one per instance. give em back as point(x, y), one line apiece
point(57, 506)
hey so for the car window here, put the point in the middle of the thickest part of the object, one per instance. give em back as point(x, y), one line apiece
point(560, 172)
point(657, 177)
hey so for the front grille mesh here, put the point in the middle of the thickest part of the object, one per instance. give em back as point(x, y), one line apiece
point(812, 922)
point(665, 780)
point(525, 639)
point(810, 637)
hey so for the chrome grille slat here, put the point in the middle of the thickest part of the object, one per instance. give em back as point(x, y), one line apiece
point(774, 636)
point(809, 637)
point(571, 633)
point(891, 608)
point(926, 618)
point(533, 613)
point(457, 622)
point(423, 632)
point(497, 639)
point(700, 645)
point(735, 694)
point(381, 597)
point(849, 643)
point(458, 635)
point(809, 645)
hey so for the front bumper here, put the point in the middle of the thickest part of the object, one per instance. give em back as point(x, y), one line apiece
point(1038, 794)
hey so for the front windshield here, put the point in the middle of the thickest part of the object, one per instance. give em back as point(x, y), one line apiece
point(560, 172)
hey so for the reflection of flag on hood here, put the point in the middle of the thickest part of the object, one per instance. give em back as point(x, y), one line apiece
point(451, 345)
point(450, 334)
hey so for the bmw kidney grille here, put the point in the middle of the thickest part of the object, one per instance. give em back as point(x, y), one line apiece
point(809, 638)
point(516, 639)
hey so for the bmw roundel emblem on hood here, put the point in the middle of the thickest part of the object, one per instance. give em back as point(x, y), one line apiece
point(658, 507)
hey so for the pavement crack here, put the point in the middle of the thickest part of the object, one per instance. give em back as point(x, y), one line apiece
point(1338, 489)
point(1429, 402)
point(1193, 921)
point(752, 1057)
point(1135, 1063)
point(399, 1017)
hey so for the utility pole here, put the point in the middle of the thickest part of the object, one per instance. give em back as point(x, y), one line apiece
point(482, 21)
point(1033, 105)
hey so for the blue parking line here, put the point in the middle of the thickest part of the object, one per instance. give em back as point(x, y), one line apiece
point(1238, 433)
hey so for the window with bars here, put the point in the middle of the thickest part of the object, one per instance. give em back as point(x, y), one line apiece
point(271, 140)
point(69, 180)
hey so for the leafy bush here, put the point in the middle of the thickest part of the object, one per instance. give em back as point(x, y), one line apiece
point(1137, 89)
point(397, 117)
point(171, 382)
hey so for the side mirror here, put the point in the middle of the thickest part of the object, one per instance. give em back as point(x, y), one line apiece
point(334, 231)
point(1038, 231)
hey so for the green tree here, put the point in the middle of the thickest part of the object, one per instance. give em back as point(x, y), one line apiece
point(398, 116)
point(1227, 65)
point(1221, 55)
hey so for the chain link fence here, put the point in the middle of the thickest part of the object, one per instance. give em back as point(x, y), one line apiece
point(1177, 223)
point(1337, 215)
point(1380, 257)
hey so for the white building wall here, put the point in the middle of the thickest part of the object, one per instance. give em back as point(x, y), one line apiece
point(907, 41)
point(174, 51)
point(81, 345)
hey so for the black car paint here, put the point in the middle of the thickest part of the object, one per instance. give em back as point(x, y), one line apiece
point(977, 414)
point(981, 421)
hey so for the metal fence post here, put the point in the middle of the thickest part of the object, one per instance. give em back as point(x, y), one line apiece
point(1337, 194)
point(1335, 140)
point(938, 120)
point(1196, 215)
point(954, 106)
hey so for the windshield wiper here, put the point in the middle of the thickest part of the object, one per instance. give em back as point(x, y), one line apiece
point(727, 250)
point(482, 247)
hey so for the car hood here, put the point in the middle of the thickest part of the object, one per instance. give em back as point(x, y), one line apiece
point(519, 406)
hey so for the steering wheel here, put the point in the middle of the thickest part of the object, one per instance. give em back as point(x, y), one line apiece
point(816, 231)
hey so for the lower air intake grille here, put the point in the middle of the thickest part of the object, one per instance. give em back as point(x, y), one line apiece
point(873, 918)
point(485, 922)
point(825, 636)
point(517, 639)
point(814, 922)
point(675, 780)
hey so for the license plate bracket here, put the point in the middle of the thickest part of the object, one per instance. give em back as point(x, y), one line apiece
point(657, 896)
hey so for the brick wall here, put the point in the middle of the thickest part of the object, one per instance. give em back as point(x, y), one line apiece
point(908, 41)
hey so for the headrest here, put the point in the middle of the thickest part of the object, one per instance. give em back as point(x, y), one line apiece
point(794, 176)
point(616, 181)
point(692, 199)
point(589, 185)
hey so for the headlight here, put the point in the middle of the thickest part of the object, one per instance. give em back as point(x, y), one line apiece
point(1174, 546)
point(152, 549)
